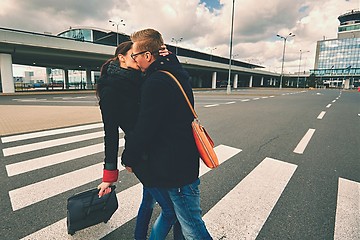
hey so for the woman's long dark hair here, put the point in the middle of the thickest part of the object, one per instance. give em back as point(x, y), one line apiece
point(122, 48)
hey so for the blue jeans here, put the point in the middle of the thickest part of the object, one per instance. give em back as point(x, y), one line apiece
point(186, 201)
point(163, 223)
point(144, 215)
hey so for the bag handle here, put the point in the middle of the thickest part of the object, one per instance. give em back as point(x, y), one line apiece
point(183, 92)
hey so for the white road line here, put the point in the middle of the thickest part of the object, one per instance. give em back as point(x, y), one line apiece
point(256, 98)
point(272, 96)
point(49, 160)
point(347, 220)
point(334, 101)
point(49, 132)
point(243, 211)
point(230, 102)
point(50, 143)
point(321, 115)
point(211, 105)
point(245, 100)
point(36, 192)
point(264, 97)
point(129, 201)
point(300, 148)
point(329, 105)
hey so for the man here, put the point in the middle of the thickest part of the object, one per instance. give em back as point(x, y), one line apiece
point(161, 151)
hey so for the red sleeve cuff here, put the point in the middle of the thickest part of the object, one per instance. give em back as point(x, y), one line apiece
point(110, 175)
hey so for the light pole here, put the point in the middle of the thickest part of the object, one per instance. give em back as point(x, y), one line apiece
point(283, 56)
point(228, 88)
point(211, 50)
point(176, 41)
point(297, 82)
point(117, 29)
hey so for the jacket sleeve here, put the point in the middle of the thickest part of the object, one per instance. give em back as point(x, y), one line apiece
point(154, 99)
point(111, 138)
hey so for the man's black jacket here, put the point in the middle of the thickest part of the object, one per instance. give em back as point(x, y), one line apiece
point(161, 149)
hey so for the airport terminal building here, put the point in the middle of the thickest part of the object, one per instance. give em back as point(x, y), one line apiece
point(337, 61)
point(73, 59)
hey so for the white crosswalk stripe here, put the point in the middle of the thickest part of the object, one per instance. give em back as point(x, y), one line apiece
point(347, 220)
point(244, 210)
point(51, 143)
point(26, 136)
point(240, 214)
point(49, 160)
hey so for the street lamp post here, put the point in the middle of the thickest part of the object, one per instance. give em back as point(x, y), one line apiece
point(283, 56)
point(176, 41)
point(228, 88)
point(117, 29)
point(211, 50)
point(297, 82)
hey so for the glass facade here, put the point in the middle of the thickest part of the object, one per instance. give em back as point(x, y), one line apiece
point(339, 56)
point(349, 28)
point(78, 34)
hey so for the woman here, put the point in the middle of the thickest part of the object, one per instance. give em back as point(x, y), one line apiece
point(118, 90)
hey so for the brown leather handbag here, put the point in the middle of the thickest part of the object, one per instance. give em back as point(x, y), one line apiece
point(204, 143)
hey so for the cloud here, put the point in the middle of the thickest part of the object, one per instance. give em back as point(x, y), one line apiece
point(201, 26)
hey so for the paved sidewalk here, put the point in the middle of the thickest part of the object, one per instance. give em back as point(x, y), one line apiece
point(20, 119)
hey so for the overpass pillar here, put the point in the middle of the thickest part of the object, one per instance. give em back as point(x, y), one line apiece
point(262, 81)
point(6, 74)
point(213, 80)
point(251, 81)
point(88, 79)
point(236, 78)
point(66, 73)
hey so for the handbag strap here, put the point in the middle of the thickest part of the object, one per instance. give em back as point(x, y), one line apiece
point(183, 92)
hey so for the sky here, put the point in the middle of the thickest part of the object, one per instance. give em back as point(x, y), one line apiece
point(203, 25)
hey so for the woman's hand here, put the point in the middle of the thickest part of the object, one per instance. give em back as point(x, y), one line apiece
point(164, 51)
point(104, 188)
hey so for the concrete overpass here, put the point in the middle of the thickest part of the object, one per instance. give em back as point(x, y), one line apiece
point(34, 49)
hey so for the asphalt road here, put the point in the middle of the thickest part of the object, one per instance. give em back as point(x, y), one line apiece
point(290, 169)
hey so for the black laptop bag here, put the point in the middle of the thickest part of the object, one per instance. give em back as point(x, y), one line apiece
point(87, 209)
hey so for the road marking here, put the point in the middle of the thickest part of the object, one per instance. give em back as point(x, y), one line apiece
point(36, 192)
point(50, 143)
point(329, 105)
point(211, 105)
point(256, 98)
point(334, 101)
point(49, 160)
point(264, 97)
point(129, 201)
point(347, 220)
point(272, 96)
point(300, 148)
point(245, 100)
point(49, 133)
point(230, 102)
point(243, 211)
point(321, 115)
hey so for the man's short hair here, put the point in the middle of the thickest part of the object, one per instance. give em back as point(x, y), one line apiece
point(148, 40)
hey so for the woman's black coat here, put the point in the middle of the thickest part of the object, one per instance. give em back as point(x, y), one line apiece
point(119, 94)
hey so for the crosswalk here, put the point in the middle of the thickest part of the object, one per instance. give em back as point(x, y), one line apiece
point(240, 214)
